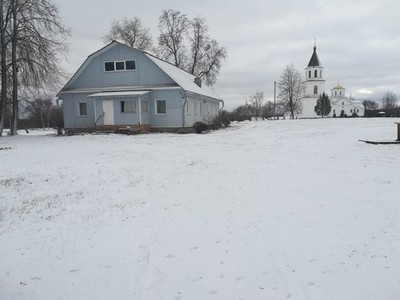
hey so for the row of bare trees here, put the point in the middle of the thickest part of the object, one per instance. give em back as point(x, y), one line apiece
point(32, 42)
point(291, 90)
point(183, 42)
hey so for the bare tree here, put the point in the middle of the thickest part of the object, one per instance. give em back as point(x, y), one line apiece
point(291, 86)
point(40, 110)
point(370, 105)
point(198, 41)
point(36, 39)
point(267, 110)
point(241, 113)
point(203, 58)
point(130, 32)
point(206, 55)
point(255, 103)
point(389, 100)
point(4, 19)
point(173, 27)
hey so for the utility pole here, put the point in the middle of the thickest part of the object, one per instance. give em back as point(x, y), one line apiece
point(274, 97)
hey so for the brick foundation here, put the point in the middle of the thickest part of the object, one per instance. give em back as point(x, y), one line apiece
point(116, 128)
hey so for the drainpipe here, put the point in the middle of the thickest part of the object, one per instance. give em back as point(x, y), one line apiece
point(95, 113)
point(223, 104)
point(140, 111)
point(184, 97)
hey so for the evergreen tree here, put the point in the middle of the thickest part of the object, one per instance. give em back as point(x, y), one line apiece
point(323, 107)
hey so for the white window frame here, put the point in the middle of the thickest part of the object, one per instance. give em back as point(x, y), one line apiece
point(134, 61)
point(108, 62)
point(115, 65)
point(128, 112)
point(79, 109)
point(156, 107)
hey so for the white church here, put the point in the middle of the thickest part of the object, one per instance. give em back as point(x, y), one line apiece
point(342, 106)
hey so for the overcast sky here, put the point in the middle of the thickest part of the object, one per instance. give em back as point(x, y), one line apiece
point(358, 42)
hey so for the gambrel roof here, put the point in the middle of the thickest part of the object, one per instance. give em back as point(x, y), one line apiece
point(182, 78)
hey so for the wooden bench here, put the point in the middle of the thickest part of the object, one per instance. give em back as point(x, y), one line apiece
point(398, 131)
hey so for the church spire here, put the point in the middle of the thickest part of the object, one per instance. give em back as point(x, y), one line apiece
point(314, 61)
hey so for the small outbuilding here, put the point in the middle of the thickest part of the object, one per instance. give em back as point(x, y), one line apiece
point(122, 87)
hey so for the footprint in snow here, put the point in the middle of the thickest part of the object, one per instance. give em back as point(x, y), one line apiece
point(36, 278)
point(74, 270)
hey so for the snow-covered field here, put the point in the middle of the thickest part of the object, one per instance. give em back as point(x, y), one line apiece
point(294, 209)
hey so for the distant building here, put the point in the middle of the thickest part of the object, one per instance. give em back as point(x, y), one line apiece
point(315, 85)
point(343, 106)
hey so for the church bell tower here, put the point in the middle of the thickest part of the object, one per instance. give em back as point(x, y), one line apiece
point(314, 86)
point(314, 80)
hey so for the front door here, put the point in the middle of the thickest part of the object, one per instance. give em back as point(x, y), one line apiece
point(108, 111)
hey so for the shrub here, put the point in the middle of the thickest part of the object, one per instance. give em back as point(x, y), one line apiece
point(199, 127)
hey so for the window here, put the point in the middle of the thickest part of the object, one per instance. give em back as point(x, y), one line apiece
point(320, 74)
point(335, 93)
point(82, 109)
point(161, 107)
point(120, 65)
point(128, 106)
point(351, 110)
point(195, 108)
point(144, 105)
point(315, 89)
point(201, 108)
point(130, 65)
point(123, 65)
point(315, 73)
point(309, 74)
point(109, 66)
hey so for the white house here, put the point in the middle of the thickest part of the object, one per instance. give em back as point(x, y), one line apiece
point(119, 86)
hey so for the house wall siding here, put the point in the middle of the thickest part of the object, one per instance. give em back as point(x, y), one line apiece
point(173, 116)
point(123, 118)
point(200, 109)
point(72, 119)
point(146, 73)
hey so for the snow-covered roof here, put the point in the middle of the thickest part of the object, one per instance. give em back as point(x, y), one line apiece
point(184, 79)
